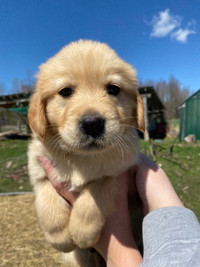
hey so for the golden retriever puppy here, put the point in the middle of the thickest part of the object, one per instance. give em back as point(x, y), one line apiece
point(84, 114)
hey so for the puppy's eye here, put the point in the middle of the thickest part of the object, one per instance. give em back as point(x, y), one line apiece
point(113, 89)
point(66, 92)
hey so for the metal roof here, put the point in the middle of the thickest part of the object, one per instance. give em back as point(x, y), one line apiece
point(154, 102)
point(9, 101)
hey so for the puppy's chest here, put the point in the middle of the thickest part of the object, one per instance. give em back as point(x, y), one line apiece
point(78, 173)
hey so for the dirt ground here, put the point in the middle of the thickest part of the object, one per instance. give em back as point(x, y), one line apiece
point(21, 241)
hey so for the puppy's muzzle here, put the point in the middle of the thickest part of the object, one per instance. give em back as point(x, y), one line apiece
point(92, 125)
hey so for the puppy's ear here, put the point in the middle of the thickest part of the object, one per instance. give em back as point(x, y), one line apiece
point(140, 114)
point(36, 115)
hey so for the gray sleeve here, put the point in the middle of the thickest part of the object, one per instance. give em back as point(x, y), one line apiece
point(171, 237)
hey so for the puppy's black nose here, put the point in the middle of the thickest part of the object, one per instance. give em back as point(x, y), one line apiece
point(92, 125)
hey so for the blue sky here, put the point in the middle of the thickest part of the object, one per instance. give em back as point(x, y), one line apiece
point(160, 38)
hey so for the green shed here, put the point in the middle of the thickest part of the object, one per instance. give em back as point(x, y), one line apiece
point(190, 116)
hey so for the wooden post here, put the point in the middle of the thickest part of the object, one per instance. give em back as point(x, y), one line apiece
point(183, 123)
point(19, 126)
point(144, 99)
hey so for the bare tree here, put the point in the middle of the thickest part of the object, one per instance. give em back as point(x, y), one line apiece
point(161, 89)
point(149, 82)
point(16, 85)
point(2, 88)
point(170, 93)
point(26, 88)
point(28, 83)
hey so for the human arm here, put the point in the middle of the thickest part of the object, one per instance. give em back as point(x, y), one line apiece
point(116, 244)
point(171, 233)
point(163, 210)
point(154, 187)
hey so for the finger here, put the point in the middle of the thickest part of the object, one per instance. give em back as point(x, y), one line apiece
point(50, 171)
point(60, 187)
point(47, 166)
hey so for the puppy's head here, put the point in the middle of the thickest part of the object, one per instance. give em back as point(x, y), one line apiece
point(86, 97)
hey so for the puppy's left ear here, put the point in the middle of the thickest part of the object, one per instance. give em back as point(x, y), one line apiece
point(140, 114)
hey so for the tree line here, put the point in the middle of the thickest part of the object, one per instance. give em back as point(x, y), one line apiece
point(171, 94)
point(18, 86)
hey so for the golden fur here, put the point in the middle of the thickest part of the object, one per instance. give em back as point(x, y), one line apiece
point(87, 164)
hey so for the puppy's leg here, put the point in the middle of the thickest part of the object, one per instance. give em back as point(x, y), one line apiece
point(80, 257)
point(90, 211)
point(53, 212)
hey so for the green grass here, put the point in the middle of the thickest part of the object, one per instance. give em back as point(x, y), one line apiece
point(182, 167)
point(13, 166)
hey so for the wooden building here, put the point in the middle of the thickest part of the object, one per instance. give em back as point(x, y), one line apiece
point(16, 102)
point(13, 112)
point(155, 123)
point(153, 110)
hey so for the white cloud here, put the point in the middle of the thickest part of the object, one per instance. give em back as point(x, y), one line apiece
point(164, 23)
point(182, 35)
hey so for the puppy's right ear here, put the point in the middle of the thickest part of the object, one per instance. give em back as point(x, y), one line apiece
point(36, 115)
point(140, 114)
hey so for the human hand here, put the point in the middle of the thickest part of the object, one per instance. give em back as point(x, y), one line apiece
point(116, 244)
point(155, 190)
point(154, 187)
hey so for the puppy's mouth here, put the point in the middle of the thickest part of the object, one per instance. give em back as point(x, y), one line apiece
point(93, 146)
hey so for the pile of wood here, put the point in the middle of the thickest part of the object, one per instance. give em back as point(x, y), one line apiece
point(13, 135)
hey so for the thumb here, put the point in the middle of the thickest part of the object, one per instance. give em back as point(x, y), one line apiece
point(60, 187)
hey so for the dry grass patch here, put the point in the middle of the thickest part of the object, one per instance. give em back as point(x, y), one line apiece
point(21, 240)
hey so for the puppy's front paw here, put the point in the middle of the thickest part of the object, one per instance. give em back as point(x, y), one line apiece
point(85, 225)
